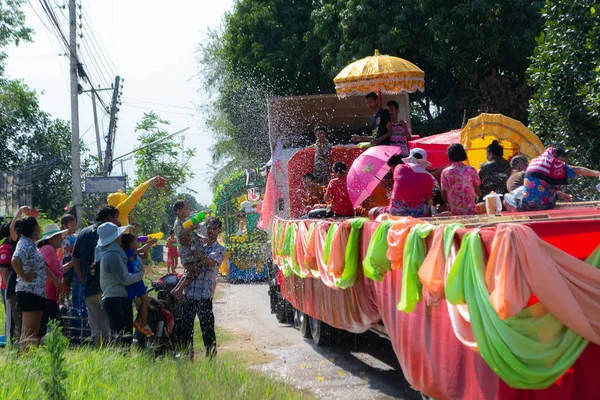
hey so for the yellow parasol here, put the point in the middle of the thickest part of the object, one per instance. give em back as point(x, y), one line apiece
point(512, 135)
point(379, 73)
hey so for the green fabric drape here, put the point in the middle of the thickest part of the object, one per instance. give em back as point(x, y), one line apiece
point(288, 261)
point(528, 351)
point(328, 239)
point(351, 261)
point(415, 250)
point(376, 264)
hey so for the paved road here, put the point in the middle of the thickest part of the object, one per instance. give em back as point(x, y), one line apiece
point(360, 367)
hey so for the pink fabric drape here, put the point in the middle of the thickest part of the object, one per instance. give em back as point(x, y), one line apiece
point(337, 256)
point(520, 263)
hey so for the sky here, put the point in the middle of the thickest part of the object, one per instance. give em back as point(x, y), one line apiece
point(151, 45)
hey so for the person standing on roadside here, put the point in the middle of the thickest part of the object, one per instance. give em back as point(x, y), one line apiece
point(200, 293)
point(83, 259)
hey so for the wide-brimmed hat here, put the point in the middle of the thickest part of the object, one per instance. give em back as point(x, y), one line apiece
point(421, 161)
point(50, 231)
point(109, 232)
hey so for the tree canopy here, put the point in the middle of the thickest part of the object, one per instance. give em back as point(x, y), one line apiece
point(12, 27)
point(158, 158)
point(565, 74)
point(475, 56)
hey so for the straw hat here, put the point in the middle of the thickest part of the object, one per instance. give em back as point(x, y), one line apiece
point(109, 232)
point(50, 231)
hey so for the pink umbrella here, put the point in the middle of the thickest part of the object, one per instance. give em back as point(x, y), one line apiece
point(367, 171)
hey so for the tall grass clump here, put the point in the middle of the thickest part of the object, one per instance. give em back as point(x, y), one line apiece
point(54, 368)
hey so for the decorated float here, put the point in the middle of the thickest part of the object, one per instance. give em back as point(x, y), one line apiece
point(236, 202)
point(489, 307)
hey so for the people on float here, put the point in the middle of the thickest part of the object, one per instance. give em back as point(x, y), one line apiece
point(125, 204)
point(381, 124)
point(322, 160)
point(172, 254)
point(111, 260)
point(138, 289)
point(50, 242)
point(313, 193)
point(401, 134)
point(543, 180)
point(413, 186)
point(519, 166)
point(336, 196)
point(495, 172)
point(460, 183)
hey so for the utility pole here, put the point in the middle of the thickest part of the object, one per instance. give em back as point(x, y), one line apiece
point(182, 138)
point(108, 159)
point(75, 159)
point(98, 144)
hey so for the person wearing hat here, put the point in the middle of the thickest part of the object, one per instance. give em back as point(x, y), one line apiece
point(413, 185)
point(114, 277)
point(49, 243)
point(125, 203)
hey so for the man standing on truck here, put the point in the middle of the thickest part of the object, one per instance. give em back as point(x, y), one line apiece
point(381, 124)
point(322, 162)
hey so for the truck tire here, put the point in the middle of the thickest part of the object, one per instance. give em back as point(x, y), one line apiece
point(321, 332)
point(301, 320)
point(285, 313)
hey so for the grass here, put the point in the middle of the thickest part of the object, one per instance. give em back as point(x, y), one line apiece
point(110, 374)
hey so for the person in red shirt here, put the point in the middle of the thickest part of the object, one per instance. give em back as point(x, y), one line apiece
point(336, 195)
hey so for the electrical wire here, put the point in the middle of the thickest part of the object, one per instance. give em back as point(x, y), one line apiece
point(161, 111)
point(160, 104)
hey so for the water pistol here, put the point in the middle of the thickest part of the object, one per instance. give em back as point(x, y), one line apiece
point(194, 220)
point(144, 239)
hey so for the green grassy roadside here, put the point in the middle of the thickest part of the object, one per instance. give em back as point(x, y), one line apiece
point(109, 374)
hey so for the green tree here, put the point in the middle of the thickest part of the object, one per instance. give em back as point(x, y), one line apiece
point(12, 27)
point(264, 50)
point(158, 155)
point(474, 53)
point(38, 144)
point(565, 74)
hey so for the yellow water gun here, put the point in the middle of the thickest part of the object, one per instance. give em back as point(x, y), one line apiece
point(157, 236)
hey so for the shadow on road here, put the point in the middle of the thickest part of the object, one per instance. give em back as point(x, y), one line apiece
point(371, 358)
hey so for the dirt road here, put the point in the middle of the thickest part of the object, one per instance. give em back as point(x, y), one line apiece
point(359, 368)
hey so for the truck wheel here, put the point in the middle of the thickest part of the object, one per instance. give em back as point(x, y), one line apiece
point(320, 332)
point(285, 313)
point(301, 321)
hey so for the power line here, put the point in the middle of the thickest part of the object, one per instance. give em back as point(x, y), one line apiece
point(97, 44)
point(160, 104)
point(162, 111)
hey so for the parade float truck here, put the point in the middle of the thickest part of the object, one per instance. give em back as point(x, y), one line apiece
point(236, 202)
point(500, 306)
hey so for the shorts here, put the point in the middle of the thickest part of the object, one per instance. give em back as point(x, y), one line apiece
point(29, 302)
point(138, 289)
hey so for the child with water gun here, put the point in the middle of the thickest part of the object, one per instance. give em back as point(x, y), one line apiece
point(172, 254)
point(138, 289)
point(68, 222)
point(190, 245)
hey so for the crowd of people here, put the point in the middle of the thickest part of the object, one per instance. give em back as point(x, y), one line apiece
point(415, 189)
point(101, 267)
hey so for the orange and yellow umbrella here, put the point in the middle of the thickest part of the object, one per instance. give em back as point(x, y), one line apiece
point(512, 135)
point(379, 73)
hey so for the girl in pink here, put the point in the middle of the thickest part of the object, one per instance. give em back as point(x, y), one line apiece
point(460, 183)
point(48, 245)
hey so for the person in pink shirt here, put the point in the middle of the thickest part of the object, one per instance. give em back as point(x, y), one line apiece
point(50, 242)
point(460, 183)
point(413, 185)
